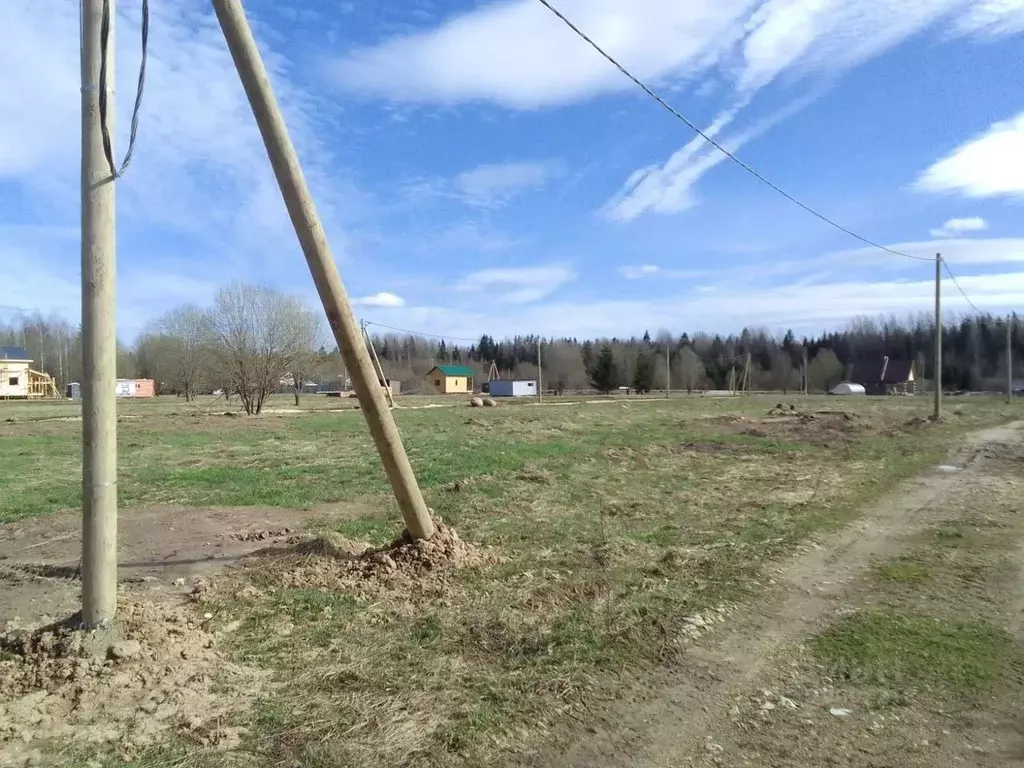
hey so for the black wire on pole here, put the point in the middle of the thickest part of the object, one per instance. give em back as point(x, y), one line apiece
point(116, 172)
point(693, 127)
point(957, 284)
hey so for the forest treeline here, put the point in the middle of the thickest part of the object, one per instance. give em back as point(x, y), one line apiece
point(180, 352)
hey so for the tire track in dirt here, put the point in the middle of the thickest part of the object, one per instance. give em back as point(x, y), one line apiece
point(668, 726)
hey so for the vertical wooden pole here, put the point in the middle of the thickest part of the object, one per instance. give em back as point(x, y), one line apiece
point(668, 370)
point(1009, 358)
point(313, 240)
point(99, 330)
point(540, 376)
point(938, 336)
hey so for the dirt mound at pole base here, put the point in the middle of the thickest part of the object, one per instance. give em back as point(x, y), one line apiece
point(326, 562)
point(443, 550)
point(126, 686)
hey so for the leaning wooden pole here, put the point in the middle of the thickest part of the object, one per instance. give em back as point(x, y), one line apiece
point(378, 368)
point(325, 274)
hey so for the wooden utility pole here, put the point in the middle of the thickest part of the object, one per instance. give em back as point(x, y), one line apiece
point(668, 370)
point(325, 274)
point(938, 336)
point(99, 330)
point(1009, 358)
point(378, 368)
point(540, 376)
point(806, 385)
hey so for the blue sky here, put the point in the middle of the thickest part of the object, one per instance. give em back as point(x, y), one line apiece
point(479, 168)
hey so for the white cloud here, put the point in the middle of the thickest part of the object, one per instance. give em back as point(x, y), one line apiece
point(955, 227)
point(958, 251)
point(638, 272)
point(806, 308)
point(519, 285)
point(668, 188)
point(519, 55)
point(383, 300)
point(989, 165)
point(993, 17)
point(482, 54)
point(494, 185)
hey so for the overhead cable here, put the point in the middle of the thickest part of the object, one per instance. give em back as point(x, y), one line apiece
point(692, 126)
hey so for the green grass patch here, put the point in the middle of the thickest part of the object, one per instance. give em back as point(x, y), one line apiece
point(892, 649)
point(904, 571)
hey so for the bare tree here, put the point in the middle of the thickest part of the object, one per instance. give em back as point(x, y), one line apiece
point(259, 333)
point(563, 367)
point(691, 369)
point(182, 349)
point(308, 337)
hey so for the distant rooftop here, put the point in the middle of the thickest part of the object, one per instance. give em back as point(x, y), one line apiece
point(14, 353)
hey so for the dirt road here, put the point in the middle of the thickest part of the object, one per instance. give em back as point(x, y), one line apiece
point(947, 546)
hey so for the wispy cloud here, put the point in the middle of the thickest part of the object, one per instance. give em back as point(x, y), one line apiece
point(817, 269)
point(640, 271)
point(989, 165)
point(494, 185)
point(957, 227)
point(518, 55)
point(806, 308)
point(382, 300)
point(519, 285)
point(487, 186)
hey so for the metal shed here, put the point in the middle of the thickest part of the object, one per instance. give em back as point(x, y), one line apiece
point(848, 388)
point(512, 388)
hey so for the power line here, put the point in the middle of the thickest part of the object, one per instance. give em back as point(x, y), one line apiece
point(692, 126)
point(104, 41)
point(957, 284)
point(420, 333)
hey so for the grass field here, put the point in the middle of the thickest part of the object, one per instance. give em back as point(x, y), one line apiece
point(615, 528)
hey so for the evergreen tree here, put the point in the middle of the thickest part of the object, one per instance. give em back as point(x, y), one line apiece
point(604, 375)
point(643, 373)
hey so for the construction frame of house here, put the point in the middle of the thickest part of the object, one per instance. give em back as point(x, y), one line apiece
point(19, 381)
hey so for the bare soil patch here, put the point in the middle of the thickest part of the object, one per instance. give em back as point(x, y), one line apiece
point(161, 550)
point(824, 428)
point(128, 687)
point(330, 562)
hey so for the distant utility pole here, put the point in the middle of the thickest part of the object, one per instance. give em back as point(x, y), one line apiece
point(540, 377)
point(99, 335)
point(668, 370)
point(806, 386)
point(1009, 358)
point(321, 263)
point(938, 336)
